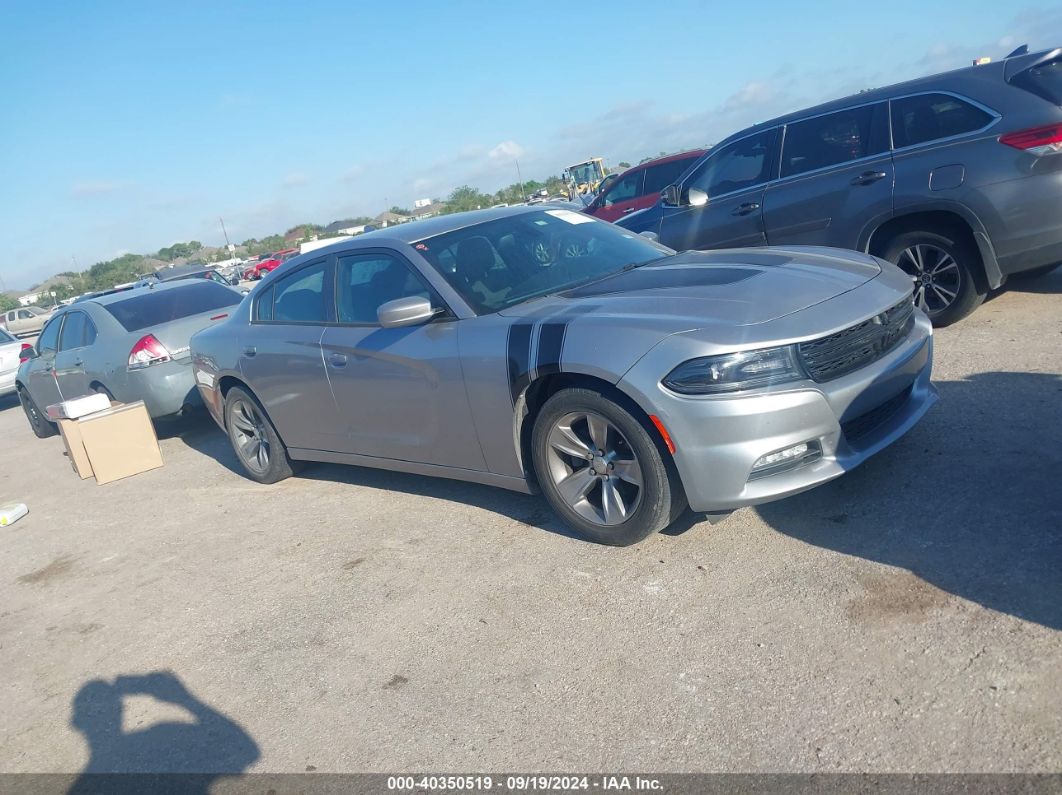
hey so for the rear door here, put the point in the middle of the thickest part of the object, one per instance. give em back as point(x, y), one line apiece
point(734, 176)
point(77, 336)
point(400, 391)
point(280, 357)
point(835, 178)
point(622, 196)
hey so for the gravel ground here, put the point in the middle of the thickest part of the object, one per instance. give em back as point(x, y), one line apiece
point(903, 618)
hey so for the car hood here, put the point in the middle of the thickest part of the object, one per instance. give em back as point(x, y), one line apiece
point(693, 290)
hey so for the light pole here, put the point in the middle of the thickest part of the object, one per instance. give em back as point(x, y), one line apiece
point(519, 179)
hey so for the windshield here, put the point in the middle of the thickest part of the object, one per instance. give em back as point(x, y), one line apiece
point(522, 256)
point(587, 172)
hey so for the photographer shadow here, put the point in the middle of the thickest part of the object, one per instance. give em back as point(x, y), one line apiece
point(169, 756)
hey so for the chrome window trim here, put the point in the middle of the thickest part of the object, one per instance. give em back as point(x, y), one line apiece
point(891, 151)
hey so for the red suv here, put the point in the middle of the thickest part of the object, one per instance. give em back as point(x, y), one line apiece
point(262, 267)
point(639, 187)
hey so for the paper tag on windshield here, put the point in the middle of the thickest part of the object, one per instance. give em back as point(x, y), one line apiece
point(570, 217)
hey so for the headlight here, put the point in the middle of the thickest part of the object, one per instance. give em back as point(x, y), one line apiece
point(731, 372)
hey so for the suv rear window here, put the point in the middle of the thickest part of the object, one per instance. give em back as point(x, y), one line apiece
point(1044, 80)
point(156, 307)
point(929, 117)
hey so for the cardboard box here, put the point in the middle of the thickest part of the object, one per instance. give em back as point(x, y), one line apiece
point(70, 430)
point(114, 444)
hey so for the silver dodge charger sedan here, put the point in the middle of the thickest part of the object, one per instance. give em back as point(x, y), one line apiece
point(537, 348)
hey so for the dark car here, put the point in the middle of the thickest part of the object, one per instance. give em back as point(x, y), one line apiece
point(957, 178)
point(639, 186)
point(194, 270)
point(129, 345)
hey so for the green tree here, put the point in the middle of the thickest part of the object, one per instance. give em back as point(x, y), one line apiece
point(7, 302)
point(466, 198)
point(399, 210)
point(623, 164)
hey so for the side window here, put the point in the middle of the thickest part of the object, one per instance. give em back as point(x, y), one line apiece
point(659, 177)
point(49, 339)
point(929, 117)
point(74, 329)
point(365, 281)
point(832, 139)
point(24, 314)
point(264, 307)
point(299, 298)
point(736, 166)
point(624, 188)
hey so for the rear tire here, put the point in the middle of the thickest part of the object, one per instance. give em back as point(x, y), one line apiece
point(255, 441)
point(39, 424)
point(942, 266)
point(618, 498)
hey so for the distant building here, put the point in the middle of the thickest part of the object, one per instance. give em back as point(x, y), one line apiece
point(389, 218)
point(427, 210)
point(421, 203)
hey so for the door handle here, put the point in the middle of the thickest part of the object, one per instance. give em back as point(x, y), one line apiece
point(745, 209)
point(250, 351)
point(78, 363)
point(868, 177)
point(337, 360)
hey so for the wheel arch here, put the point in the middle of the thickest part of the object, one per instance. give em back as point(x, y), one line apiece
point(953, 218)
point(534, 397)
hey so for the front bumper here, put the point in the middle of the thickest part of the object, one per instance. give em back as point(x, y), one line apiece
point(719, 439)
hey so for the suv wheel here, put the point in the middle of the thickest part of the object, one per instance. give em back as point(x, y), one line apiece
point(942, 267)
point(601, 471)
point(39, 424)
point(260, 450)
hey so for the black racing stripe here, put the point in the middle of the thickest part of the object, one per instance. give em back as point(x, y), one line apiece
point(550, 344)
point(519, 358)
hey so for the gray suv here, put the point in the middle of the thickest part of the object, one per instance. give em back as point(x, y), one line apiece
point(956, 178)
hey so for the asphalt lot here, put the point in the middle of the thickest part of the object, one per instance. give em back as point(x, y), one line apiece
point(904, 618)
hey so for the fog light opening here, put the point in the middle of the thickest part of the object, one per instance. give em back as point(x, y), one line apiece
point(785, 459)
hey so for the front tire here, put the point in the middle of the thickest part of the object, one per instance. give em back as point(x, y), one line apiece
point(39, 424)
point(601, 471)
point(255, 441)
point(942, 266)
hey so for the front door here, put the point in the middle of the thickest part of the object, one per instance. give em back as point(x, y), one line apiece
point(836, 177)
point(734, 178)
point(400, 392)
point(40, 380)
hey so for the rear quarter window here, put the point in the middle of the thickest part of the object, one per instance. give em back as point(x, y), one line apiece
point(154, 308)
point(931, 117)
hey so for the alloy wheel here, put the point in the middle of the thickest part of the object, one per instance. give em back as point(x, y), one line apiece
point(248, 432)
point(937, 276)
point(593, 468)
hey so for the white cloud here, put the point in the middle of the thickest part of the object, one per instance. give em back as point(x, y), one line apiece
point(294, 180)
point(506, 150)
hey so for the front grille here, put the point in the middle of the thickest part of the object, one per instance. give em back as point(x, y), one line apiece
point(857, 346)
point(858, 427)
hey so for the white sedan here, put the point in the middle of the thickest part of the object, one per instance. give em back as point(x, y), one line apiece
point(10, 349)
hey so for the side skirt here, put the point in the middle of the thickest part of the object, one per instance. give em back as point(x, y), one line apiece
point(432, 470)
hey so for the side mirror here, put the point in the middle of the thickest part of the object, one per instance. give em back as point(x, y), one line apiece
point(410, 311)
point(698, 198)
point(648, 234)
point(672, 195)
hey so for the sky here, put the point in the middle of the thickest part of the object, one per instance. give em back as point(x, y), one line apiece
point(128, 126)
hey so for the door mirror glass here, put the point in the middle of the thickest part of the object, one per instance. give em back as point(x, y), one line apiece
point(411, 311)
point(671, 195)
point(697, 197)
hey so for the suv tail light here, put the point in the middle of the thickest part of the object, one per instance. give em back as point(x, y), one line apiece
point(22, 358)
point(146, 352)
point(1046, 140)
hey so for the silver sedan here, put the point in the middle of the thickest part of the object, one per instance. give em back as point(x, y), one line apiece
point(535, 348)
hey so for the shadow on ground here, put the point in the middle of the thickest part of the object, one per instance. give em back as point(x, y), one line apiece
point(207, 744)
point(1048, 284)
point(970, 501)
point(208, 439)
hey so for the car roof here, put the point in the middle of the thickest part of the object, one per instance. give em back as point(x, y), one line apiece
point(180, 271)
point(414, 231)
point(940, 81)
point(122, 295)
